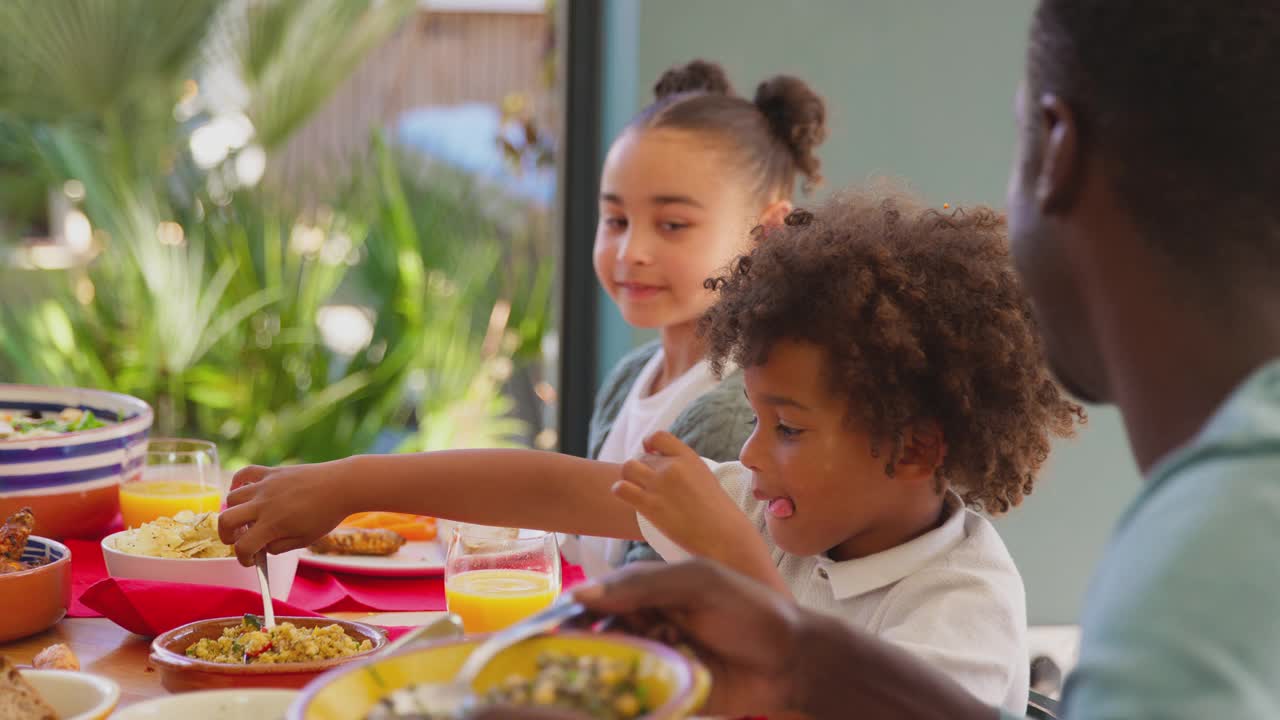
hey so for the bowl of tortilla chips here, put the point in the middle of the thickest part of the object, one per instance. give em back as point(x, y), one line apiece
point(185, 549)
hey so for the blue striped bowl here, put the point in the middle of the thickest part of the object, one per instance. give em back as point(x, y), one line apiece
point(42, 549)
point(71, 481)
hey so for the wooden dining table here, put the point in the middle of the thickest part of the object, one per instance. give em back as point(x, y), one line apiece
point(109, 650)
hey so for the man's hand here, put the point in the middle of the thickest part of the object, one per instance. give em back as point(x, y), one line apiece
point(767, 656)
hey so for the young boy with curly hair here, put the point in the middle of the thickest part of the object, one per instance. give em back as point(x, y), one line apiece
point(892, 364)
point(896, 379)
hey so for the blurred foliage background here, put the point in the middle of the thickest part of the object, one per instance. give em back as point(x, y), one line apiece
point(404, 310)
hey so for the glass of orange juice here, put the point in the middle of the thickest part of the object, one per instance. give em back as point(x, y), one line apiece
point(177, 475)
point(494, 577)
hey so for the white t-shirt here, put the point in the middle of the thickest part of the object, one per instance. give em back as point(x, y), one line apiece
point(641, 415)
point(952, 596)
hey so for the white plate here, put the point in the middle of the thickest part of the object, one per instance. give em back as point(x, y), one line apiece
point(214, 705)
point(414, 559)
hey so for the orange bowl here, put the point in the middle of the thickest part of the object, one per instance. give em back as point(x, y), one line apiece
point(83, 510)
point(35, 600)
point(179, 673)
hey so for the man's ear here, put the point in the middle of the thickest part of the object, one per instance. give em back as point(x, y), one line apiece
point(1062, 165)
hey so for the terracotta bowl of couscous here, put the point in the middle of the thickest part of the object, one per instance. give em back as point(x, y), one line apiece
point(227, 653)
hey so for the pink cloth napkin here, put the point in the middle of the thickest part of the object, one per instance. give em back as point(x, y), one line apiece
point(324, 591)
point(87, 568)
point(151, 608)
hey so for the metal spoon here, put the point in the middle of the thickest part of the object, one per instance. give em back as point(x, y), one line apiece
point(448, 626)
point(456, 696)
point(268, 609)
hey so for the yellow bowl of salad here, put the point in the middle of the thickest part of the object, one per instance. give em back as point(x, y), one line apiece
point(605, 676)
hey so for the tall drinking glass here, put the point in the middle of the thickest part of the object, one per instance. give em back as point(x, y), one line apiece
point(495, 577)
point(177, 475)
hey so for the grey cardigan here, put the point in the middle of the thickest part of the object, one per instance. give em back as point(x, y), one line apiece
point(715, 425)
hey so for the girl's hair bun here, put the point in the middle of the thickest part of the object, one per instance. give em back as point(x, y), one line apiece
point(798, 116)
point(696, 76)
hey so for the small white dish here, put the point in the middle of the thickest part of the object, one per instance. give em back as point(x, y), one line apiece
point(75, 695)
point(214, 705)
point(223, 572)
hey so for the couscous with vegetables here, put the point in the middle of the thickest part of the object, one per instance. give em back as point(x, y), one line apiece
point(249, 642)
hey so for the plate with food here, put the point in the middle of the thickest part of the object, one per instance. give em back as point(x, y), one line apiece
point(380, 543)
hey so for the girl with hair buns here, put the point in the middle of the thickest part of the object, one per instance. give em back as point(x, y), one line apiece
point(681, 189)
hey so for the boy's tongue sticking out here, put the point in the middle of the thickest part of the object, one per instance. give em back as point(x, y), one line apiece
point(779, 507)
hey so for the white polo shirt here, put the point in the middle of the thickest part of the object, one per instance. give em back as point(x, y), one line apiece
point(952, 596)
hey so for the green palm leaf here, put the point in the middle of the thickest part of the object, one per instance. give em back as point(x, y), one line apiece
point(293, 54)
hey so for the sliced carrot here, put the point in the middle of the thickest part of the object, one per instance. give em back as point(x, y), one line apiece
point(359, 521)
point(376, 519)
point(412, 527)
point(415, 530)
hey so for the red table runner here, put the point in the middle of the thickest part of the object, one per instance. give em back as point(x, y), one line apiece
point(314, 589)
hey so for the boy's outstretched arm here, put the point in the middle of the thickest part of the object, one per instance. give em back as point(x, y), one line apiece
point(284, 508)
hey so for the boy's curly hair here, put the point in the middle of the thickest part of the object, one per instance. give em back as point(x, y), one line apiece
point(921, 317)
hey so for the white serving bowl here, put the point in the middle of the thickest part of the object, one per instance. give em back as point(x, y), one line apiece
point(223, 572)
point(214, 705)
point(75, 695)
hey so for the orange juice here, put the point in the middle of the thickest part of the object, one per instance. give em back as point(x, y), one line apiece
point(146, 500)
point(489, 600)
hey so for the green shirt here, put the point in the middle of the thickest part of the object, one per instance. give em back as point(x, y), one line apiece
point(1182, 619)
